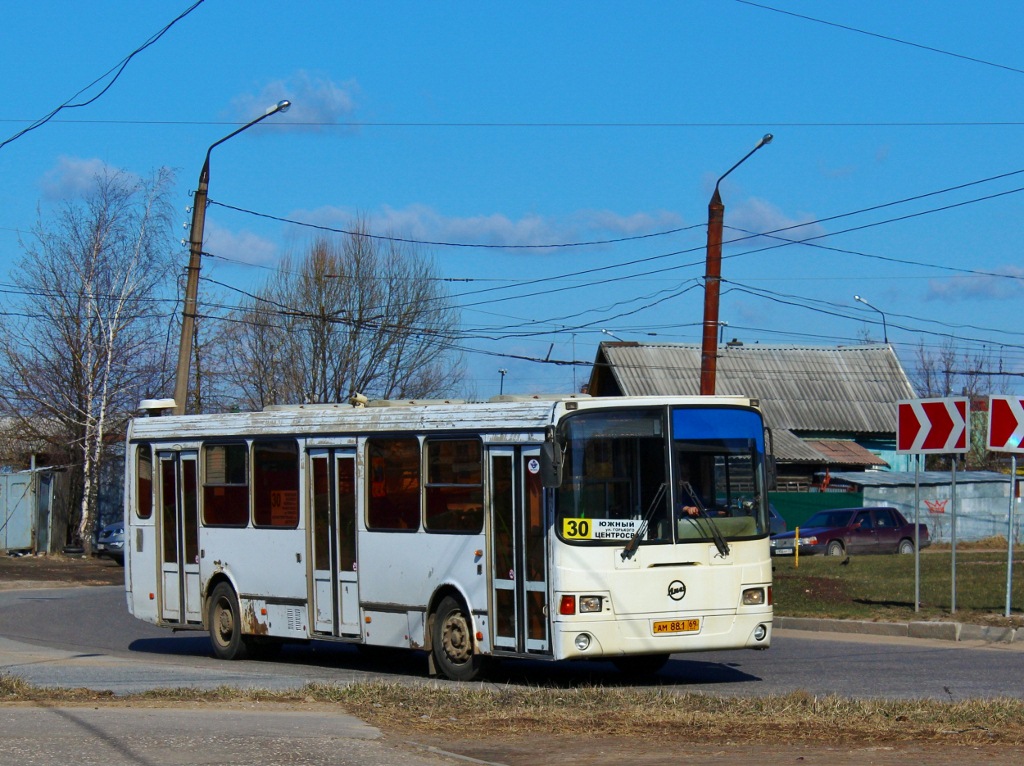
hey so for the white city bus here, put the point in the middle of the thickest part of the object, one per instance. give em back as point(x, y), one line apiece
point(619, 528)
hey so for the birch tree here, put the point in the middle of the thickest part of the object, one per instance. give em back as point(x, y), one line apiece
point(351, 315)
point(90, 339)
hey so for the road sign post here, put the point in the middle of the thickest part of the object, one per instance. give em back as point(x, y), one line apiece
point(1006, 434)
point(932, 427)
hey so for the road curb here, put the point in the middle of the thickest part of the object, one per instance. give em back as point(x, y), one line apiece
point(943, 631)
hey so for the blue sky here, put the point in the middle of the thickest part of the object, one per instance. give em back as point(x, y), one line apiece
point(529, 123)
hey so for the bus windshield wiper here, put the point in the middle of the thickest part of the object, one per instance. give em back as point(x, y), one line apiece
point(634, 543)
point(716, 535)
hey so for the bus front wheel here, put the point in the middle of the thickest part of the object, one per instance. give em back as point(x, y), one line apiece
point(225, 621)
point(452, 642)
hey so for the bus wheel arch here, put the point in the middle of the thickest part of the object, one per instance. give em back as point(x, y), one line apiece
point(454, 651)
point(224, 620)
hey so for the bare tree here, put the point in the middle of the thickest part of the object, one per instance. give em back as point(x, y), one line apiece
point(86, 347)
point(949, 371)
point(356, 314)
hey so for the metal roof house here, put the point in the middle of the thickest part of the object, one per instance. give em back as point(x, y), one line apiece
point(829, 407)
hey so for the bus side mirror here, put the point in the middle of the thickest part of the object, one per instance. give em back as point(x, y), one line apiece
point(550, 463)
point(773, 472)
point(770, 467)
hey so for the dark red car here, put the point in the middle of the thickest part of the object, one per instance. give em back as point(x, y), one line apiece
point(851, 531)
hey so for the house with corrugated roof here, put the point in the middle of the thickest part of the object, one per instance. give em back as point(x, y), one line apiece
point(829, 408)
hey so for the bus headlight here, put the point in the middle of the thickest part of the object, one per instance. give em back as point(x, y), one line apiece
point(590, 604)
point(760, 632)
point(753, 597)
point(582, 642)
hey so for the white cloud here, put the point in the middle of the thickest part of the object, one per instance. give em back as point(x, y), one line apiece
point(423, 223)
point(72, 177)
point(240, 247)
point(316, 100)
point(757, 215)
point(1007, 284)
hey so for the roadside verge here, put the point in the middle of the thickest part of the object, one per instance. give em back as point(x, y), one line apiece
point(944, 631)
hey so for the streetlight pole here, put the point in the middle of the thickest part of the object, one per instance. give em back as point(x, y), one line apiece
point(885, 327)
point(713, 280)
point(503, 372)
point(188, 314)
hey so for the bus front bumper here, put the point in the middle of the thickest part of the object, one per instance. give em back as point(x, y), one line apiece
point(608, 639)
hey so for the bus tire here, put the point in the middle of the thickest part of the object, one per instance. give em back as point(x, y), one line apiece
point(452, 642)
point(641, 664)
point(225, 621)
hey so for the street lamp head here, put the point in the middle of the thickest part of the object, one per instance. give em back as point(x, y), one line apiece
point(765, 139)
point(280, 106)
point(885, 325)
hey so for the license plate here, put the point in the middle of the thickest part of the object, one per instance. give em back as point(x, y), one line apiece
point(783, 551)
point(676, 626)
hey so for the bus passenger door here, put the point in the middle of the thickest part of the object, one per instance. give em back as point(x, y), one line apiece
point(335, 596)
point(519, 585)
point(180, 598)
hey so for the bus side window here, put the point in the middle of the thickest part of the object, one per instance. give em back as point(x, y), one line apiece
point(275, 484)
point(226, 485)
point(144, 482)
point(394, 477)
point(455, 492)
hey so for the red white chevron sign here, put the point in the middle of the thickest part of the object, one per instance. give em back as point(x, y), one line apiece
point(932, 426)
point(1005, 424)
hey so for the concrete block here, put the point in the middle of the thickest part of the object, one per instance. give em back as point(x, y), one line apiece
point(989, 633)
point(945, 631)
point(841, 626)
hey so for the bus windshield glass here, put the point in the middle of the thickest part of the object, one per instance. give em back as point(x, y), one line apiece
point(718, 466)
point(665, 474)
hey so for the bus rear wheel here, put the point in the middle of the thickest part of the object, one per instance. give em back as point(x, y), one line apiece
point(452, 642)
point(225, 621)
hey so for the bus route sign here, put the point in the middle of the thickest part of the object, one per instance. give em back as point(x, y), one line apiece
point(600, 529)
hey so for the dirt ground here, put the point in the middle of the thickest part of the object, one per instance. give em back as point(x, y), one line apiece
point(57, 570)
point(671, 747)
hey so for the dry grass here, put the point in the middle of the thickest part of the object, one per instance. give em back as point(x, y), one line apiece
point(507, 713)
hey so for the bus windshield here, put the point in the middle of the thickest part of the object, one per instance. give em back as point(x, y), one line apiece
point(667, 474)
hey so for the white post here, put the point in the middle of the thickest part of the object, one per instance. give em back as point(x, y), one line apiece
point(917, 533)
point(952, 492)
point(1009, 531)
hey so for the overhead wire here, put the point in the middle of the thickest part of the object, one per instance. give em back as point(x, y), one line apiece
point(118, 69)
point(888, 38)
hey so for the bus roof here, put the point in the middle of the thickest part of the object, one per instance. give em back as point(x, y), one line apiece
point(506, 413)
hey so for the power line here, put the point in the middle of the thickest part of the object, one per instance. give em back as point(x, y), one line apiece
point(555, 124)
point(119, 68)
point(887, 38)
point(485, 245)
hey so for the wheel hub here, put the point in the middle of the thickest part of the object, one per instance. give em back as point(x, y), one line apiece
point(456, 639)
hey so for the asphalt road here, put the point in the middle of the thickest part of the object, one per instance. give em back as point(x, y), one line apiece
point(85, 637)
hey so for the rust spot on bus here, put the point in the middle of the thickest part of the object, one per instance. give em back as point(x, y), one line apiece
point(251, 623)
